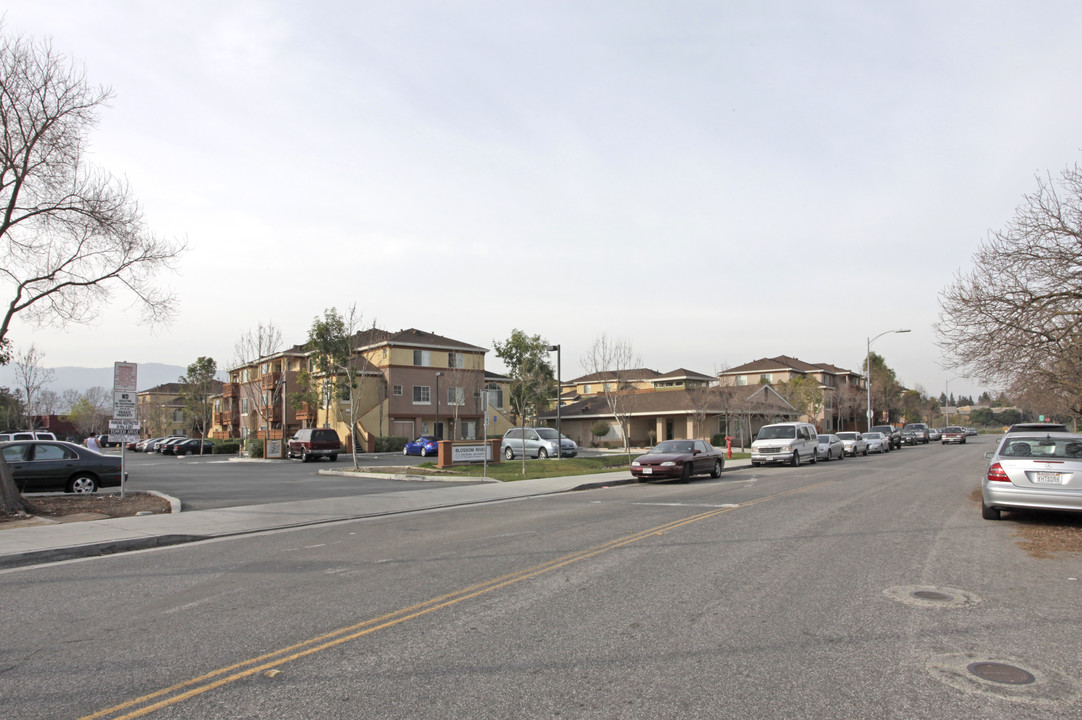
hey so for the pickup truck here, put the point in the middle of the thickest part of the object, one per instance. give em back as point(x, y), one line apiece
point(891, 432)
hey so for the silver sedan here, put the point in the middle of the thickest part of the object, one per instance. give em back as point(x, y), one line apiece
point(1041, 471)
point(830, 447)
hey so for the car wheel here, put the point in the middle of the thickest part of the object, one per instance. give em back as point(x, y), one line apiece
point(424, 452)
point(685, 476)
point(796, 458)
point(542, 454)
point(332, 458)
point(865, 451)
point(989, 513)
point(509, 453)
point(815, 458)
point(82, 484)
point(304, 456)
point(841, 455)
point(717, 469)
point(755, 464)
point(405, 452)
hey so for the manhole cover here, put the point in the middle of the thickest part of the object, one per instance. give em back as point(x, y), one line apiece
point(930, 595)
point(1001, 673)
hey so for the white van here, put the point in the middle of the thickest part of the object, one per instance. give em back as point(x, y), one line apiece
point(791, 442)
point(27, 435)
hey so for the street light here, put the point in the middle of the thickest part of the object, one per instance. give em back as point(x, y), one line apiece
point(559, 390)
point(868, 370)
point(436, 427)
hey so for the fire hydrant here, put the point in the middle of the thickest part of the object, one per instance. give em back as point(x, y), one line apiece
point(729, 447)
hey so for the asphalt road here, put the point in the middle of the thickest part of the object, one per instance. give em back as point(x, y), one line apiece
point(214, 481)
point(865, 588)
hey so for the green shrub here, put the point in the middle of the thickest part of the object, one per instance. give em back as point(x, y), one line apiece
point(226, 447)
point(718, 440)
point(391, 443)
point(254, 448)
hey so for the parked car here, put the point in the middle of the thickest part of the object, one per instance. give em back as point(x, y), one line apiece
point(1039, 470)
point(538, 442)
point(934, 434)
point(191, 447)
point(54, 465)
point(679, 459)
point(877, 442)
point(921, 431)
point(890, 431)
point(311, 443)
point(424, 446)
point(1038, 427)
point(854, 442)
point(830, 447)
point(954, 434)
point(971, 431)
point(105, 442)
point(26, 435)
point(165, 447)
point(785, 442)
point(152, 444)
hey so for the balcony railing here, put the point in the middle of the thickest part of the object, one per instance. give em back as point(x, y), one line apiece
point(230, 390)
point(272, 413)
point(270, 380)
point(306, 413)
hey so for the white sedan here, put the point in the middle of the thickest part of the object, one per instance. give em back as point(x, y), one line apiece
point(877, 442)
point(854, 443)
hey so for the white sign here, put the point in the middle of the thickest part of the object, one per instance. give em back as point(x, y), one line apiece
point(124, 376)
point(123, 424)
point(470, 453)
point(123, 405)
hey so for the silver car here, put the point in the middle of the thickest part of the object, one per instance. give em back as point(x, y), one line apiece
point(1042, 471)
point(854, 443)
point(830, 447)
point(877, 442)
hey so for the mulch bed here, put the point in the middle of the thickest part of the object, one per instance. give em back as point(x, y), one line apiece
point(108, 504)
point(1043, 534)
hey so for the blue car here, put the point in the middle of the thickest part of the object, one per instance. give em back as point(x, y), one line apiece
point(424, 446)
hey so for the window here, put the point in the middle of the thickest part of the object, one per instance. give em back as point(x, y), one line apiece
point(766, 378)
point(469, 430)
point(741, 379)
point(397, 390)
point(422, 395)
point(456, 360)
point(456, 396)
point(495, 395)
point(422, 358)
point(53, 452)
point(586, 389)
point(244, 406)
point(178, 415)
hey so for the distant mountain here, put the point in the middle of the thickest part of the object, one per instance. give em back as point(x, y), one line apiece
point(80, 379)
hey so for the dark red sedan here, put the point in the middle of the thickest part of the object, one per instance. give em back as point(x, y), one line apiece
point(679, 459)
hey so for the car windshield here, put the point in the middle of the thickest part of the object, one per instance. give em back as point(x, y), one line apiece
point(847, 435)
point(673, 447)
point(1042, 447)
point(777, 432)
point(824, 439)
point(548, 433)
point(872, 436)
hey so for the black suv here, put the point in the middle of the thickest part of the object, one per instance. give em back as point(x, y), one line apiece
point(311, 443)
point(893, 433)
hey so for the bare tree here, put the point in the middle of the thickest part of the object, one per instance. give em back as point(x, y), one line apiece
point(70, 234)
point(1015, 318)
point(613, 360)
point(262, 341)
point(704, 402)
point(32, 378)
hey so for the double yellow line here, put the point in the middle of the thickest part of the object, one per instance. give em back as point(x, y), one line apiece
point(165, 697)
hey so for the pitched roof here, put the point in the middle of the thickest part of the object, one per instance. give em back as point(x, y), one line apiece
point(716, 400)
point(630, 375)
point(410, 337)
point(684, 373)
point(783, 362)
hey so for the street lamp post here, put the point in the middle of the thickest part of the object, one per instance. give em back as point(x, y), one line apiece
point(868, 371)
point(559, 390)
point(436, 427)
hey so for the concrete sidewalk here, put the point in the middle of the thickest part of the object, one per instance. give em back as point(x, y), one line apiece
point(65, 541)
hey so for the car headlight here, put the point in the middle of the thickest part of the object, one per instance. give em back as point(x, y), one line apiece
point(668, 463)
point(634, 463)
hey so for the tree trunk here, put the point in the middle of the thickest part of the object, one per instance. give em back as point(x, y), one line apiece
point(11, 501)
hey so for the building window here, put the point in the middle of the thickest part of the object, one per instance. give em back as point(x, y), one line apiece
point(586, 389)
point(397, 390)
point(422, 358)
point(766, 378)
point(495, 395)
point(244, 406)
point(456, 360)
point(178, 416)
point(422, 395)
point(469, 430)
point(456, 396)
point(741, 379)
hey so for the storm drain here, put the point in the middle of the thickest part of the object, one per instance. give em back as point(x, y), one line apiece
point(932, 597)
point(1001, 673)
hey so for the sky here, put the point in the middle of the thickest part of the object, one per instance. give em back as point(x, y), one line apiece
point(715, 182)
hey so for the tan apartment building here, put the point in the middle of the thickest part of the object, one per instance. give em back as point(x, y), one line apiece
point(680, 404)
point(842, 389)
point(160, 411)
point(410, 383)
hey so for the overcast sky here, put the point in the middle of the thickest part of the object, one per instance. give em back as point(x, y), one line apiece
point(716, 181)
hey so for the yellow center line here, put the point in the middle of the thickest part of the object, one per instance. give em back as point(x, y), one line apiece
point(253, 666)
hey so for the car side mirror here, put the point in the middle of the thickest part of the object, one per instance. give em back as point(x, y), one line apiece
point(988, 455)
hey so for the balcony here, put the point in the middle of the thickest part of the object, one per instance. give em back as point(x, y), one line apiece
point(306, 413)
point(270, 380)
point(230, 390)
point(271, 414)
point(227, 418)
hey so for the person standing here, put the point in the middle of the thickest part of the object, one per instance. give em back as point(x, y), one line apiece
point(92, 443)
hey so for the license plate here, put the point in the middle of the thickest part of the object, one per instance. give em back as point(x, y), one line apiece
point(647, 471)
point(1049, 478)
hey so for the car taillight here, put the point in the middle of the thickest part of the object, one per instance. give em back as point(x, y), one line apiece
point(996, 473)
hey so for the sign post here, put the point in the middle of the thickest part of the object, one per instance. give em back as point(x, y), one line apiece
point(124, 411)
